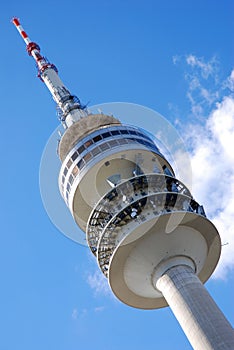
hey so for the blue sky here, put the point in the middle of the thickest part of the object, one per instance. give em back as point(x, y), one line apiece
point(175, 57)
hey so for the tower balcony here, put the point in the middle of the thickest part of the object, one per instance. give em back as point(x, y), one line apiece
point(130, 204)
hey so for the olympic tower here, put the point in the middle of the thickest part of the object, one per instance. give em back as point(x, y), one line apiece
point(150, 237)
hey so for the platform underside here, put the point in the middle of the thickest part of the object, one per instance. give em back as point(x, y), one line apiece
point(138, 254)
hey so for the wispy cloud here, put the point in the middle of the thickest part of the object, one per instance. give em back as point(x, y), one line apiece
point(99, 308)
point(98, 282)
point(206, 68)
point(76, 314)
point(204, 85)
point(176, 59)
point(202, 78)
point(229, 82)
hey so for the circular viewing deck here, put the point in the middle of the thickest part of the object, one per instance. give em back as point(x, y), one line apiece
point(130, 204)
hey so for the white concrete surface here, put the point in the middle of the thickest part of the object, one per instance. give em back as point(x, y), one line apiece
point(202, 321)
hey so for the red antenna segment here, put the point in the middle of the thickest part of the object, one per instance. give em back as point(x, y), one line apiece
point(70, 108)
point(33, 50)
point(20, 29)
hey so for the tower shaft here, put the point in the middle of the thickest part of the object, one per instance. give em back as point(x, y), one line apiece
point(202, 321)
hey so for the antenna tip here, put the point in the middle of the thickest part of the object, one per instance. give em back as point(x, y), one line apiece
point(15, 21)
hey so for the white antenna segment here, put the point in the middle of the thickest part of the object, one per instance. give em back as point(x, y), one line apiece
point(69, 106)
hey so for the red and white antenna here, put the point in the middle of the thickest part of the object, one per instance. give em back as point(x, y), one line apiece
point(70, 108)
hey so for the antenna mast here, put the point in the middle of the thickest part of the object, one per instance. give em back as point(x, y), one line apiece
point(69, 106)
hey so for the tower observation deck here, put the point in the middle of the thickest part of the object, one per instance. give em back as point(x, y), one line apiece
point(150, 237)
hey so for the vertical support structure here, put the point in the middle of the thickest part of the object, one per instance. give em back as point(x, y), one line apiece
point(69, 106)
point(202, 321)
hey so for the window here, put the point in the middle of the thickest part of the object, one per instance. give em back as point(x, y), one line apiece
point(95, 151)
point(97, 138)
point(124, 132)
point(122, 141)
point(88, 143)
point(104, 146)
point(81, 149)
point(65, 171)
point(151, 144)
point(69, 163)
point(166, 170)
point(113, 143)
point(75, 170)
point(74, 156)
point(132, 132)
point(145, 143)
point(106, 134)
point(115, 132)
point(139, 134)
point(70, 179)
point(81, 164)
point(87, 157)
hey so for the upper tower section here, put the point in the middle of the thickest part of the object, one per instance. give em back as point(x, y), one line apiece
point(69, 106)
point(74, 116)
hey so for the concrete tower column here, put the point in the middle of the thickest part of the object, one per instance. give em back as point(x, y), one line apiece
point(202, 321)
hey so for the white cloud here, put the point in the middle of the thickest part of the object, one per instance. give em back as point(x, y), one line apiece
point(212, 157)
point(74, 314)
point(229, 82)
point(99, 308)
point(204, 86)
point(98, 282)
point(176, 59)
point(210, 140)
point(206, 68)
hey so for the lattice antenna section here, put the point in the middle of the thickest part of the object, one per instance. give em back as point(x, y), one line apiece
point(69, 106)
